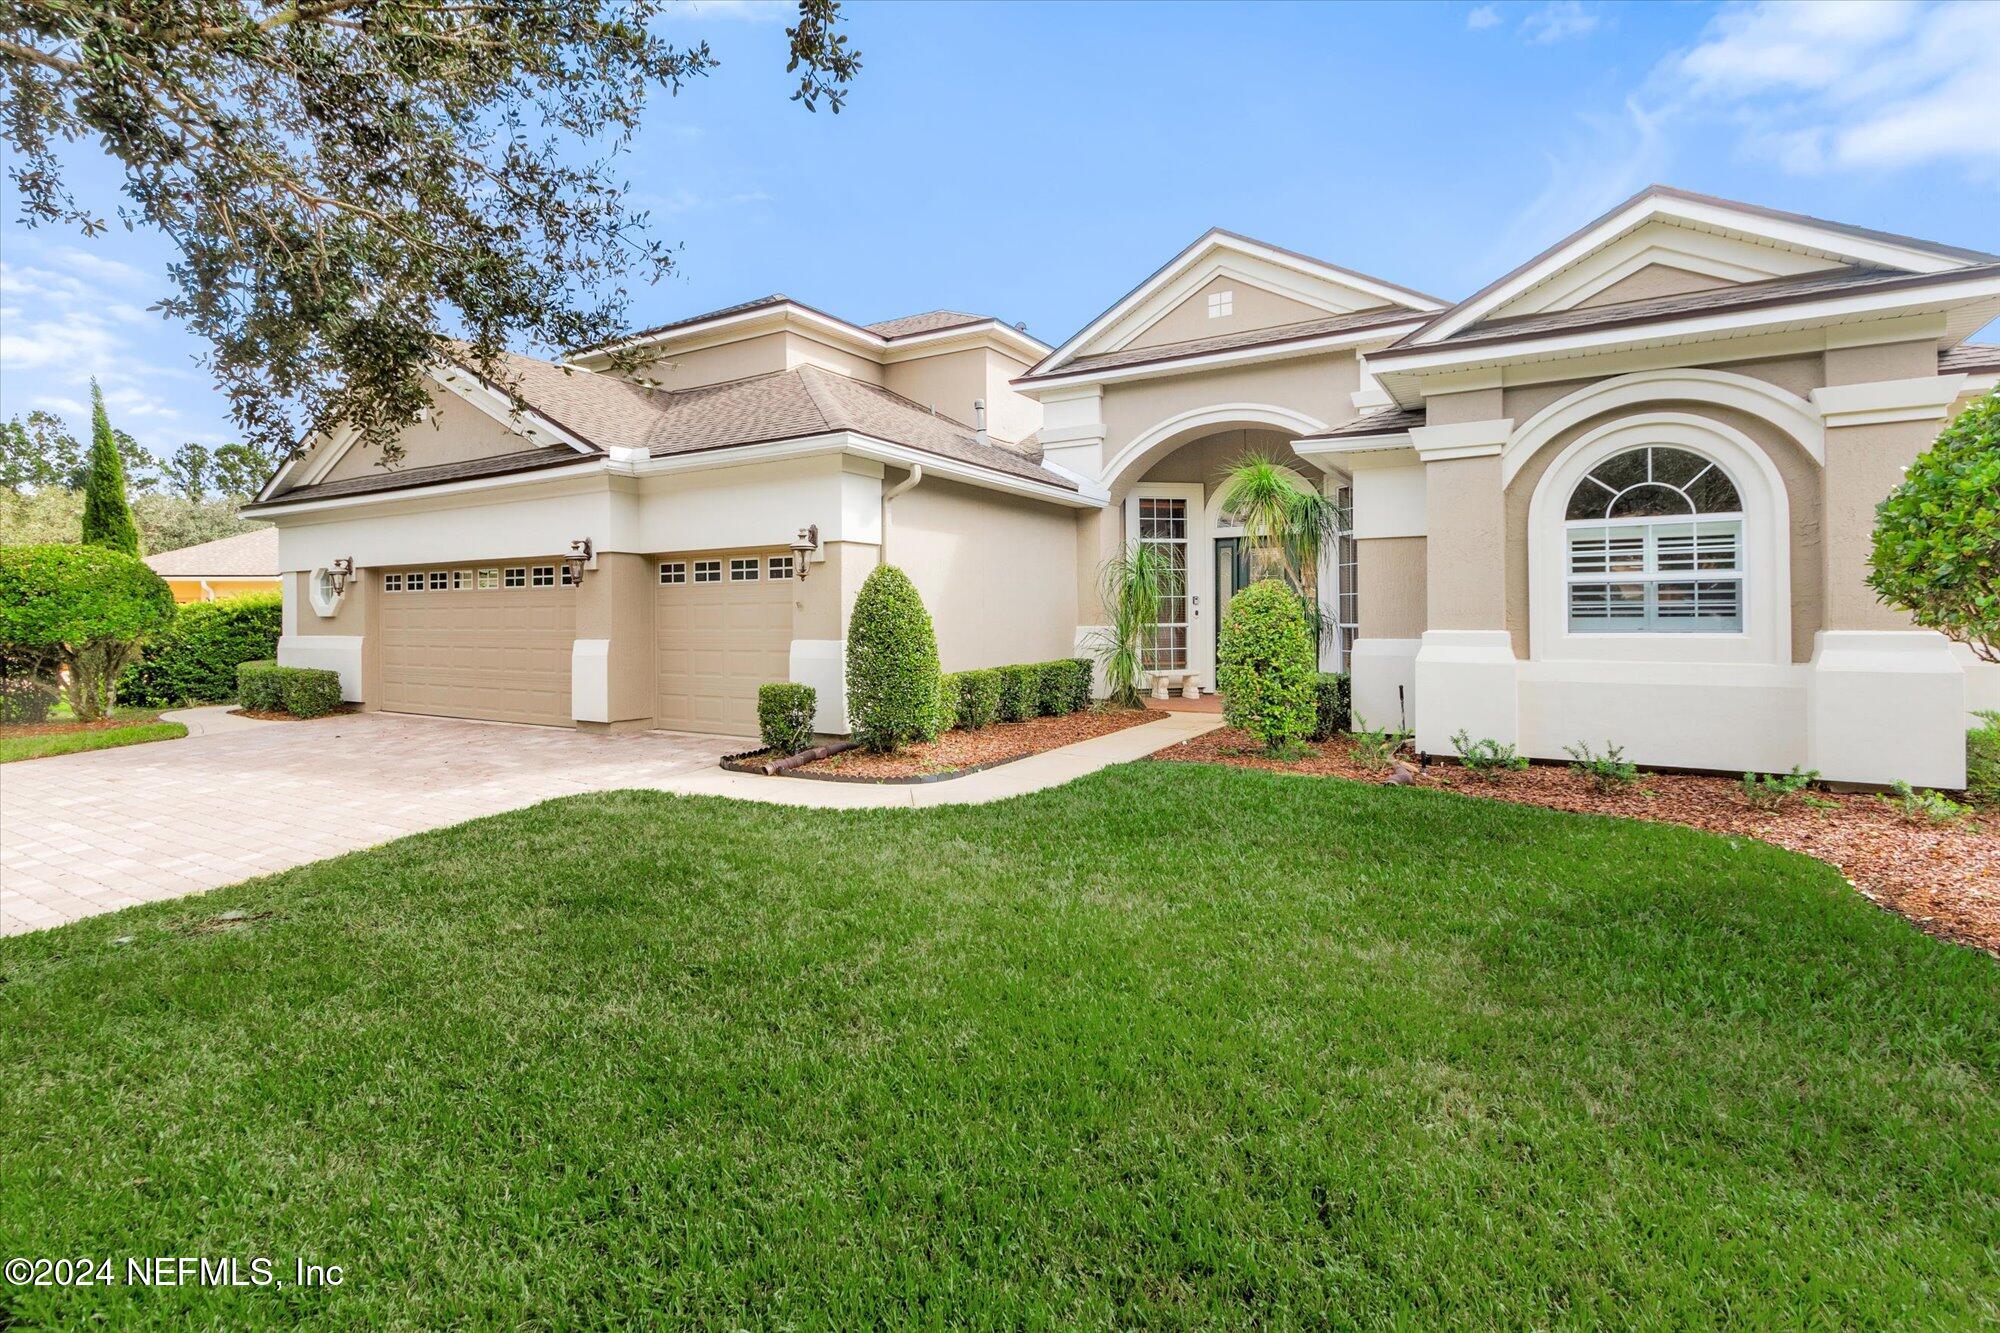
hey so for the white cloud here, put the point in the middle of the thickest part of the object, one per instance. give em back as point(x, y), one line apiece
point(1825, 86)
point(1557, 21)
point(1486, 16)
point(1609, 159)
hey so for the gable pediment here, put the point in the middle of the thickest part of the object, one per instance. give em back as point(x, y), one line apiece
point(1226, 285)
point(1666, 242)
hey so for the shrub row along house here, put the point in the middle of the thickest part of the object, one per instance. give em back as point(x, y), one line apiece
point(1622, 493)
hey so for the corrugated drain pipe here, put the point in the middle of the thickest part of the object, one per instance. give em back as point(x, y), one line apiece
point(916, 475)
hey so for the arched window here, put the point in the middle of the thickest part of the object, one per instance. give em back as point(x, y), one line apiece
point(1655, 545)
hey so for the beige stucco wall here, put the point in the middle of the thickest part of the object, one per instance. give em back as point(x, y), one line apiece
point(761, 355)
point(455, 432)
point(615, 602)
point(822, 601)
point(1650, 281)
point(359, 614)
point(995, 572)
point(1320, 387)
point(1206, 460)
point(952, 381)
point(1251, 307)
point(1390, 579)
point(1466, 572)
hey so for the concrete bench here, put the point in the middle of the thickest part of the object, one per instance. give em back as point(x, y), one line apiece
point(1164, 681)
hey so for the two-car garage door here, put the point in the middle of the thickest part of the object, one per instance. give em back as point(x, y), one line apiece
point(495, 642)
point(722, 624)
point(488, 643)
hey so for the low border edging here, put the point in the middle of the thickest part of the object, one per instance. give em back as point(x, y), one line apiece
point(739, 763)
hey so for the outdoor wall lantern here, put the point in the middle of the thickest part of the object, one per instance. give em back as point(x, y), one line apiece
point(339, 572)
point(578, 559)
point(804, 545)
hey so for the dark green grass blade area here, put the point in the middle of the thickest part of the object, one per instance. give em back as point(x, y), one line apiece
point(1173, 1045)
point(14, 748)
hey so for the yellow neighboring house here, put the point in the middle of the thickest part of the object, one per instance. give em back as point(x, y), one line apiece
point(231, 567)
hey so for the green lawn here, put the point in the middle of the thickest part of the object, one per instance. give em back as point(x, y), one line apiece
point(137, 725)
point(1174, 1044)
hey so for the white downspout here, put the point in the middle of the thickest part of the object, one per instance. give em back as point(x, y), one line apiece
point(916, 475)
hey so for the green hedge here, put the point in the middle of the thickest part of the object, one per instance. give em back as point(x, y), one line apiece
point(1083, 677)
point(194, 659)
point(978, 698)
point(1267, 670)
point(1982, 760)
point(266, 687)
point(1020, 697)
point(892, 664)
point(1054, 689)
point(785, 716)
point(1330, 701)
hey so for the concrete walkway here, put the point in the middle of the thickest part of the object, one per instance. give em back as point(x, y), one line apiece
point(212, 720)
point(88, 833)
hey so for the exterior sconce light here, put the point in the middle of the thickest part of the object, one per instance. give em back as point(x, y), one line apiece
point(577, 559)
point(339, 572)
point(803, 546)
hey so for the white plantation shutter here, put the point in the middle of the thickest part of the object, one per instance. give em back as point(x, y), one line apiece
point(1655, 544)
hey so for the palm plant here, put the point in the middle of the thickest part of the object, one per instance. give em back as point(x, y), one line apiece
point(1287, 521)
point(1132, 586)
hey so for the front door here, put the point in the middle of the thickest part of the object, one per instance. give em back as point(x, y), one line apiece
point(1232, 575)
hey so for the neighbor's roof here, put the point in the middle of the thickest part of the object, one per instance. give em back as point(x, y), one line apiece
point(247, 555)
point(1229, 342)
point(1743, 296)
point(604, 410)
point(889, 330)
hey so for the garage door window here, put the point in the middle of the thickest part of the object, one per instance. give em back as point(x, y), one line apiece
point(673, 571)
point(781, 566)
point(392, 583)
point(708, 571)
point(489, 578)
point(743, 571)
point(517, 578)
point(545, 576)
point(440, 580)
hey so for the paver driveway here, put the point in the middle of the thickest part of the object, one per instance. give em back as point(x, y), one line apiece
point(87, 833)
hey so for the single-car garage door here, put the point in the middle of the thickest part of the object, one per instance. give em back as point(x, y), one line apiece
point(724, 626)
point(491, 642)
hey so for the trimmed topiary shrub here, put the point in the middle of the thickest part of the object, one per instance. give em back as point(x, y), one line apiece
point(1329, 704)
point(1267, 668)
point(892, 664)
point(259, 687)
point(978, 697)
point(194, 659)
point(1082, 673)
point(88, 608)
point(1055, 688)
point(1020, 697)
point(785, 716)
point(309, 691)
point(266, 687)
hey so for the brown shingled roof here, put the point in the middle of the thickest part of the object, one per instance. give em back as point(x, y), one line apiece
point(1382, 421)
point(930, 321)
point(1969, 356)
point(252, 554)
point(1229, 342)
point(788, 404)
point(1743, 296)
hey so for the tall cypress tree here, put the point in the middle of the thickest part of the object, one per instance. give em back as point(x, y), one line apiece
point(107, 517)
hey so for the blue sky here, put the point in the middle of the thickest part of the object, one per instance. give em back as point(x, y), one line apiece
point(1034, 161)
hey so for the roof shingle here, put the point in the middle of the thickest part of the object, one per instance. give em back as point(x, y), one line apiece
point(252, 554)
point(1228, 342)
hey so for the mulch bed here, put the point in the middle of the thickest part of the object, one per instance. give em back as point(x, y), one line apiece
point(1944, 879)
point(998, 743)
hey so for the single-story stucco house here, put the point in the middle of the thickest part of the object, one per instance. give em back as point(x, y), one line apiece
point(1622, 493)
point(226, 567)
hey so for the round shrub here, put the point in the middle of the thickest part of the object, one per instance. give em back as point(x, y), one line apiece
point(892, 664)
point(194, 659)
point(1055, 688)
point(1937, 535)
point(978, 698)
point(309, 691)
point(260, 687)
point(1330, 704)
point(87, 606)
point(785, 716)
point(1267, 668)
point(1020, 693)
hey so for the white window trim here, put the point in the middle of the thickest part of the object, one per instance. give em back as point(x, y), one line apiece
point(1766, 635)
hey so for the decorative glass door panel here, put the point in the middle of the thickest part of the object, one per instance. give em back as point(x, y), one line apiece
point(1163, 526)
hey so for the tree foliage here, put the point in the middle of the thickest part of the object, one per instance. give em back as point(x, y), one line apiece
point(89, 606)
point(1937, 536)
point(107, 515)
point(346, 180)
point(1286, 520)
point(40, 453)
